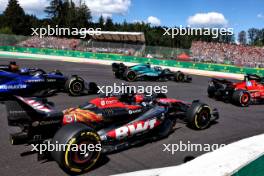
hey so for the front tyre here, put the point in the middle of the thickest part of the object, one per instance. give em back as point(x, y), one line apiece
point(75, 86)
point(82, 151)
point(241, 98)
point(198, 116)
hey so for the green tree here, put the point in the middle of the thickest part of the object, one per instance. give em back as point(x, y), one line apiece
point(101, 22)
point(5, 30)
point(109, 25)
point(242, 37)
point(253, 35)
point(84, 17)
point(14, 17)
point(67, 14)
point(54, 9)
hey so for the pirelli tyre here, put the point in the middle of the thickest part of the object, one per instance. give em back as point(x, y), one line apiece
point(82, 151)
point(166, 128)
point(93, 88)
point(211, 90)
point(117, 74)
point(179, 76)
point(75, 86)
point(198, 116)
point(115, 67)
point(241, 98)
point(130, 75)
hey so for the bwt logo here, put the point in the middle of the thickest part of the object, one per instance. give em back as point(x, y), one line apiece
point(133, 129)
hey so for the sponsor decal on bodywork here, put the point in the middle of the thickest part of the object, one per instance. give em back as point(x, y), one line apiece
point(19, 86)
point(132, 129)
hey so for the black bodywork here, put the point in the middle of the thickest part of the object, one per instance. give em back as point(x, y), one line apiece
point(118, 126)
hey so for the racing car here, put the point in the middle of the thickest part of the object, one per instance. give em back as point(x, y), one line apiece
point(250, 90)
point(144, 72)
point(113, 122)
point(36, 82)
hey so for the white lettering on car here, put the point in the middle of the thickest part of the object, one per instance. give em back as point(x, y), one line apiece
point(132, 129)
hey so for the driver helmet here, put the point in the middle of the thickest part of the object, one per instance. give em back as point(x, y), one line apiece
point(148, 65)
point(13, 67)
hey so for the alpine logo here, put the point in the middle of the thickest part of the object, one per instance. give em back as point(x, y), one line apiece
point(132, 129)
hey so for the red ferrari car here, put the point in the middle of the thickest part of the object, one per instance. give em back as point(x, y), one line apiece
point(251, 90)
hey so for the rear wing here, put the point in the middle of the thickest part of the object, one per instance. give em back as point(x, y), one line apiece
point(21, 111)
point(37, 104)
point(36, 118)
point(221, 81)
point(118, 67)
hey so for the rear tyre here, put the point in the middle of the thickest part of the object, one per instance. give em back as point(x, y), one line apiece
point(179, 76)
point(241, 98)
point(211, 91)
point(93, 88)
point(76, 135)
point(166, 128)
point(75, 86)
point(198, 116)
point(115, 67)
point(131, 75)
point(117, 75)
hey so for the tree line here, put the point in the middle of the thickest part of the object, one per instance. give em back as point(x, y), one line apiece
point(65, 13)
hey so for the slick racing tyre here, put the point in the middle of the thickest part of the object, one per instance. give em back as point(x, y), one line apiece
point(115, 67)
point(179, 76)
point(82, 151)
point(166, 128)
point(131, 75)
point(198, 116)
point(211, 91)
point(241, 98)
point(93, 88)
point(75, 86)
point(117, 75)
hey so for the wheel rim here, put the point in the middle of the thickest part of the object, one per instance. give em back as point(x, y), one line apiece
point(83, 159)
point(244, 98)
point(180, 77)
point(131, 76)
point(79, 157)
point(77, 87)
point(203, 119)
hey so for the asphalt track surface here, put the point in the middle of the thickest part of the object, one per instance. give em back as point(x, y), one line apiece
point(234, 124)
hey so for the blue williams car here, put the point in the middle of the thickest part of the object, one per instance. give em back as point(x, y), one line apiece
point(144, 72)
point(36, 82)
